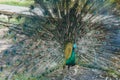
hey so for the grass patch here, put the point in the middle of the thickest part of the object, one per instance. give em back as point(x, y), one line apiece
point(17, 3)
point(1, 26)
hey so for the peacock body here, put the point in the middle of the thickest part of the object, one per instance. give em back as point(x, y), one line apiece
point(70, 54)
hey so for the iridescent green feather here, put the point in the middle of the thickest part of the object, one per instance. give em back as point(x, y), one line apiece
point(71, 61)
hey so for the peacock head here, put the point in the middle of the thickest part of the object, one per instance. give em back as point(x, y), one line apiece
point(74, 45)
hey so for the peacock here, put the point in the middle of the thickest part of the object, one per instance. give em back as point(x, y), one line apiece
point(70, 54)
point(62, 33)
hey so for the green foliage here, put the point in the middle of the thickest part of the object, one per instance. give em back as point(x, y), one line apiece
point(16, 3)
